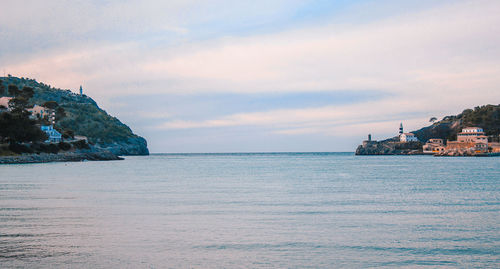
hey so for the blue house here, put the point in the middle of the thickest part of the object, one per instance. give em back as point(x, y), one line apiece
point(53, 134)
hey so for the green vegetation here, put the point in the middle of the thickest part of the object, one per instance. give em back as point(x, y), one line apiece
point(16, 126)
point(486, 117)
point(2, 88)
point(88, 120)
point(75, 114)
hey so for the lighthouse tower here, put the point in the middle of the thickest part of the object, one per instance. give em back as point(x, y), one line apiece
point(401, 129)
point(81, 90)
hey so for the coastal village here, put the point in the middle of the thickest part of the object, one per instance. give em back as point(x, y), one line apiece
point(471, 141)
point(42, 114)
point(41, 123)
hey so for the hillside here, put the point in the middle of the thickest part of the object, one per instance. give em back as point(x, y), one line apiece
point(486, 117)
point(84, 117)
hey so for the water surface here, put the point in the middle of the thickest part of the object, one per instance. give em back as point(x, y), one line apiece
point(295, 210)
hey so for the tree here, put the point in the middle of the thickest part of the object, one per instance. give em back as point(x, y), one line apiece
point(13, 90)
point(18, 127)
point(60, 113)
point(51, 104)
point(68, 134)
point(27, 92)
point(2, 87)
point(433, 119)
point(18, 104)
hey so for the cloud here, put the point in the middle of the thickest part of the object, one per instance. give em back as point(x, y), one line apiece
point(427, 51)
point(431, 62)
point(392, 54)
point(310, 120)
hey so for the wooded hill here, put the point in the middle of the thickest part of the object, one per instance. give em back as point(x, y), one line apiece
point(83, 117)
point(486, 117)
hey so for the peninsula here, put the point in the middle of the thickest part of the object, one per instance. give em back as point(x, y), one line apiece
point(39, 123)
point(474, 132)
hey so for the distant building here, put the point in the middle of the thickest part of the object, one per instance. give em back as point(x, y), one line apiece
point(81, 137)
point(53, 134)
point(472, 140)
point(433, 146)
point(494, 147)
point(4, 103)
point(472, 134)
point(408, 137)
point(466, 147)
point(40, 112)
point(369, 141)
point(437, 141)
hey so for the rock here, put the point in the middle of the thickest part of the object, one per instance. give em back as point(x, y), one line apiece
point(389, 147)
point(60, 157)
point(133, 146)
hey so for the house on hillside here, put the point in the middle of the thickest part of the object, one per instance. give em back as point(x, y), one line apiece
point(472, 134)
point(471, 140)
point(408, 137)
point(53, 134)
point(494, 147)
point(40, 112)
point(4, 103)
point(434, 145)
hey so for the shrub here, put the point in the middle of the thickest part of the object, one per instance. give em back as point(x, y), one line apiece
point(81, 144)
point(20, 148)
point(64, 146)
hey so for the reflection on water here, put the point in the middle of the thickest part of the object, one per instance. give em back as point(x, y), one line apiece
point(252, 210)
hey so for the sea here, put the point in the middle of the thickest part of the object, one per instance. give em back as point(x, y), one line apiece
point(252, 210)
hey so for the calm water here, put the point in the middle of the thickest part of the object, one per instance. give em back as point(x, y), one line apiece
point(252, 210)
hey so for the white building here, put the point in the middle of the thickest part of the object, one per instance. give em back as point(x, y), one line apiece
point(53, 134)
point(407, 137)
point(472, 134)
point(472, 130)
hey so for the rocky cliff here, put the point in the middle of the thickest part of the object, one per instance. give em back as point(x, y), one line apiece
point(389, 147)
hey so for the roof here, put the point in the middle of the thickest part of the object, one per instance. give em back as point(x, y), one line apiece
point(469, 133)
point(409, 134)
point(4, 101)
point(38, 109)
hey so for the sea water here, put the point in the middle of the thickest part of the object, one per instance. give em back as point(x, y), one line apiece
point(273, 210)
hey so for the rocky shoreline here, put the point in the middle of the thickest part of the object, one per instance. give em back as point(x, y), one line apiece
point(389, 147)
point(59, 157)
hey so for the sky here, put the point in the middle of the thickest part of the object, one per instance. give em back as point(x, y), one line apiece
point(260, 76)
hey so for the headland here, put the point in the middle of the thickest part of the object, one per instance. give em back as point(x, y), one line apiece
point(474, 132)
point(40, 123)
